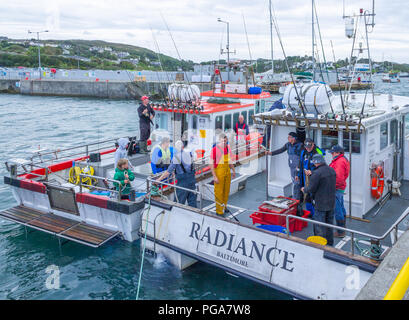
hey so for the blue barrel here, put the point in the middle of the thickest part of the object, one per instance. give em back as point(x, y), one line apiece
point(255, 90)
point(272, 228)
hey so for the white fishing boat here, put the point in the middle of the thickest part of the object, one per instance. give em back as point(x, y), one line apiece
point(391, 78)
point(68, 193)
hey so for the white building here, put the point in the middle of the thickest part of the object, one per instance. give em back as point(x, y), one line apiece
point(122, 54)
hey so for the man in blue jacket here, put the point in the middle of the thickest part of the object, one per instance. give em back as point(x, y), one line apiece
point(294, 149)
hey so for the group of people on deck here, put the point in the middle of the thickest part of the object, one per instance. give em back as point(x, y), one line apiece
point(319, 186)
point(175, 160)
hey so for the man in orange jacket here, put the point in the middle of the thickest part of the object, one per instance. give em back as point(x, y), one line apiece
point(341, 166)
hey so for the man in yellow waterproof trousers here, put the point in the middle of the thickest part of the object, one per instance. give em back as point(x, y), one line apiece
point(221, 164)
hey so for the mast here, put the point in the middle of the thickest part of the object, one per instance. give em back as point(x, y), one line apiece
point(313, 39)
point(271, 38)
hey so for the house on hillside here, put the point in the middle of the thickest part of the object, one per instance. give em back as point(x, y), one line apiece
point(96, 49)
point(122, 54)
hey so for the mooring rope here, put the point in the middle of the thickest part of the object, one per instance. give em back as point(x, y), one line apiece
point(144, 246)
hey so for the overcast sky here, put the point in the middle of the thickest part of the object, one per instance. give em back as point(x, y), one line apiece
point(196, 31)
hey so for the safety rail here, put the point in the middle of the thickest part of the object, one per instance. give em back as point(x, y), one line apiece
point(86, 151)
point(400, 285)
point(353, 232)
point(103, 179)
point(203, 162)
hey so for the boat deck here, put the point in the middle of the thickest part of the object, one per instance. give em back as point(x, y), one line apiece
point(375, 223)
point(59, 226)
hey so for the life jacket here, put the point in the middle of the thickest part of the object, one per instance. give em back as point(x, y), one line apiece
point(218, 153)
point(166, 155)
point(306, 161)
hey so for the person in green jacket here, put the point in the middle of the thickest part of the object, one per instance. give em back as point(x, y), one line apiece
point(124, 176)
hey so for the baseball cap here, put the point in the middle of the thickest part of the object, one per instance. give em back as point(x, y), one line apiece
point(317, 159)
point(293, 134)
point(308, 142)
point(144, 97)
point(336, 148)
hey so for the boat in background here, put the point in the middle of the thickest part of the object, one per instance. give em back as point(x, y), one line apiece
point(391, 78)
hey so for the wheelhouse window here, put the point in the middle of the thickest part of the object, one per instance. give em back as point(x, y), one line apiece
point(384, 136)
point(394, 132)
point(257, 106)
point(162, 121)
point(355, 139)
point(218, 124)
point(235, 118)
point(262, 105)
point(251, 113)
point(227, 122)
point(244, 113)
point(328, 139)
point(194, 122)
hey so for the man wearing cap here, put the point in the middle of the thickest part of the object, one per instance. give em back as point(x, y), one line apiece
point(146, 114)
point(293, 148)
point(322, 190)
point(341, 166)
point(305, 169)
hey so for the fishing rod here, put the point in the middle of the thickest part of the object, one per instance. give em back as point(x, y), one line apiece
point(177, 51)
point(322, 46)
point(300, 102)
point(248, 46)
point(339, 85)
point(325, 86)
point(160, 63)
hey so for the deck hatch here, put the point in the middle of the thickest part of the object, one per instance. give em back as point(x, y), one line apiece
point(62, 199)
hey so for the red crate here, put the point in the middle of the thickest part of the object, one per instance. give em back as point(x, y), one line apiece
point(259, 217)
point(299, 224)
point(293, 224)
point(266, 211)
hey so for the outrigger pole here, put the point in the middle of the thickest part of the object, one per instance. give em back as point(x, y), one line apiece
point(300, 102)
point(339, 85)
point(161, 67)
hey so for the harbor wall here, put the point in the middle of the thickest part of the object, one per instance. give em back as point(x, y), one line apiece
point(80, 88)
point(9, 86)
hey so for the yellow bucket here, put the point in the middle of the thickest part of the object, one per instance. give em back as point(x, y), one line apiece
point(318, 240)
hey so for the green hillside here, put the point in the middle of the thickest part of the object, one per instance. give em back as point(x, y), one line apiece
point(69, 54)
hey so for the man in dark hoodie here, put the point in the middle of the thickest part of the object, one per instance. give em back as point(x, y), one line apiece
point(322, 190)
point(294, 149)
point(146, 114)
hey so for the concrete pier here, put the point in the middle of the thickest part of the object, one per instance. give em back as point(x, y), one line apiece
point(381, 280)
point(9, 86)
point(96, 89)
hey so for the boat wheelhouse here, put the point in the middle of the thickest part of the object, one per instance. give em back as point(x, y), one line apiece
point(372, 139)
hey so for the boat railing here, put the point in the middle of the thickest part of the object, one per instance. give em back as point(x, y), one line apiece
point(104, 181)
point(71, 152)
point(204, 162)
point(373, 238)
